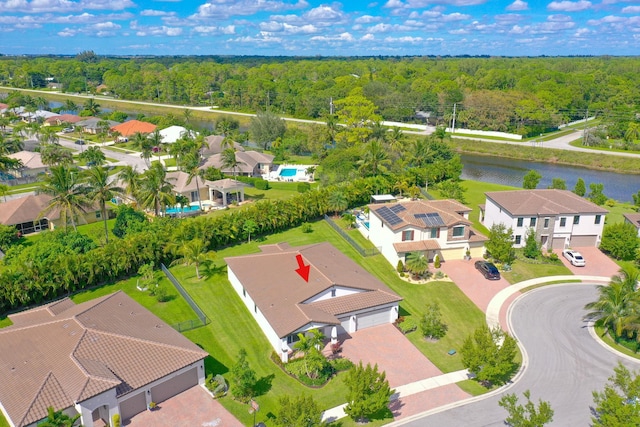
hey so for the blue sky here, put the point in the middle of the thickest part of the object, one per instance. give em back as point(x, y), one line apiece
point(309, 27)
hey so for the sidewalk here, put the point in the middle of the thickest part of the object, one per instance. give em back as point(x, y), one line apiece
point(493, 319)
point(406, 390)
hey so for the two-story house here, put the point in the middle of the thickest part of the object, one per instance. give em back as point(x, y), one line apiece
point(434, 227)
point(560, 218)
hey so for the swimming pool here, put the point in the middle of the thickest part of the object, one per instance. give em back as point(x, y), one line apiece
point(288, 172)
point(366, 224)
point(177, 210)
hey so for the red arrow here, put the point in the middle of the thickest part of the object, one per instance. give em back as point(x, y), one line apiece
point(302, 270)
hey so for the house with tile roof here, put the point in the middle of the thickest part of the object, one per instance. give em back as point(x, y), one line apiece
point(173, 133)
point(339, 296)
point(24, 214)
point(63, 119)
point(93, 125)
point(560, 218)
point(31, 163)
point(250, 163)
point(131, 127)
point(99, 358)
point(221, 192)
point(434, 227)
point(633, 219)
point(213, 145)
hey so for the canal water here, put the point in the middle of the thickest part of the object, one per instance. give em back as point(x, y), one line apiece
point(499, 170)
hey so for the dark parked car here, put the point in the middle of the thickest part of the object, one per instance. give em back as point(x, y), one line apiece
point(488, 270)
point(79, 141)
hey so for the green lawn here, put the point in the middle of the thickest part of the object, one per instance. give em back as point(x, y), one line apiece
point(94, 230)
point(521, 271)
point(617, 211)
point(278, 190)
point(3, 421)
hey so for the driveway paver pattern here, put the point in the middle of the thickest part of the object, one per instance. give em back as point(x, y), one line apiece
point(597, 263)
point(193, 408)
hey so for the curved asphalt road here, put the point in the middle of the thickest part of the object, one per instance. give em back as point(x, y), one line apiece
point(565, 363)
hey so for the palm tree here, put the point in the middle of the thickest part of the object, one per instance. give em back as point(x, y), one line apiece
point(155, 192)
point(48, 135)
point(58, 419)
point(131, 178)
point(194, 252)
point(374, 158)
point(229, 160)
point(145, 145)
point(93, 156)
point(55, 154)
point(307, 343)
point(102, 188)
point(417, 263)
point(401, 185)
point(618, 304)
point(63, 184)
point(156, 140)
point(92, 107)
point(69, 106)
point(191, 164)
point(337, 202)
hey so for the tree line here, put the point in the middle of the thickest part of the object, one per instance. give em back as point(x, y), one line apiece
point(522, 95)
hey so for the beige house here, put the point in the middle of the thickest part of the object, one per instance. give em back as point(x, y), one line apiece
point(99, 358)
point(213, 145)
point(25, 214)
point(339, 296)
point(31, 163)
point(434, 227)
point(221, 192)
point(250, 163)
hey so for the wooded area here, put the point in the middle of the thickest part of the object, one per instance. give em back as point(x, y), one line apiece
point(521, 95)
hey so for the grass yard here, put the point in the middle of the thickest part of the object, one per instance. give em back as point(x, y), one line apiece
point(617, 211)
point(521, 271)
point(94, 230)
point(278, 190)
point(611, 343)
point(5, 321)
point(173, 311)
point(3, 421)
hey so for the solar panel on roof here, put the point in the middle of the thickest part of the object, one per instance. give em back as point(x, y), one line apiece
point(430, 219)
point(388, 216)
point(397, 208)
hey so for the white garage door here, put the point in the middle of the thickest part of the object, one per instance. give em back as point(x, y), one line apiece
point(373, 318)
point(558, 243)
point(132, 406)
point(450, 254)
point(582, 241)
point(343, 328)
point(175, 385)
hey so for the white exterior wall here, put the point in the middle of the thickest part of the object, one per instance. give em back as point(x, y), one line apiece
point(587, 225)
point(493, 214)
point(272, 336)
point(341, 291)
point(383, 237)
point(86, 407)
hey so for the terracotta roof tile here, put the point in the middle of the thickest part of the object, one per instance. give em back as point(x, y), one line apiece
point(131, 127)
point(354, 302)
point(273, 284)
point(633, 218)
point(64, 353)
point(418, 245)
point(450, 211)
point(543, 202)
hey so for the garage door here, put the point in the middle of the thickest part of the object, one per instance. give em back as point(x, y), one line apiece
point(373, 318)
point(132, 406)
point(175, 385)
point(582, 241)
point(451, 254)
point(558, 243)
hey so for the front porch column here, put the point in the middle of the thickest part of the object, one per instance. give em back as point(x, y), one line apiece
point(334, 335)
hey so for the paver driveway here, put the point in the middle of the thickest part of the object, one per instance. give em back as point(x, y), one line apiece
point(472, 282)
point(597, 263)
point(391, 350)
point(193, 408)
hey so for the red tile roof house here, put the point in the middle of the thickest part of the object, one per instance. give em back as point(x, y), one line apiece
point(130, 128)
point(99, 358)
point(559, 218)
point(339, 297)
point(434, 227)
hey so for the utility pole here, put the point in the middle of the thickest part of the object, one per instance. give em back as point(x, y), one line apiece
point(267, 107)
point(331, 105)
point(453, 119)
point(586, 129)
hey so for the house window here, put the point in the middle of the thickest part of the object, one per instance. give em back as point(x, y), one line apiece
point(244, 292)
point(333, 293)
point(255, 308)
point(195, 196)
point(458, 231)
point(518, 240)
point(576, 219)
point(563, 222)
point(435, 233)
point(598, 219)
point(407, 235)
point(532, 222)
point(292, 338)
point(520, 222)
point(98, 214)
point(546, 223)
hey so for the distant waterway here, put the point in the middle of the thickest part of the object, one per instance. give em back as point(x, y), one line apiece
point(499, 170)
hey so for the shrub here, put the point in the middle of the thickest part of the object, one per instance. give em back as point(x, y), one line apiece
point(553, 256)
point(439, 275)
point(307, 228)
point(400, 266)
point(303, 187)
point(431, 324)
point(161, 293)
point(620, 240)
point(115, 420)
point(436, 262)
point(261, 184)
point(407, 325)
point(341, 364)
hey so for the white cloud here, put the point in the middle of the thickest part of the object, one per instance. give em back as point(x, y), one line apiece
point(222, 9)
point(368, 37)
point(340, 37)
point(380, 28)
point(631, 9)
point(152, 12)
point(212, 30)
point(102, 29)
point(40, 6)
point(518, 5)
point(367, 19)
point(455, 17)
point(162, 30)
point(569, 6)
point(558, 18)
